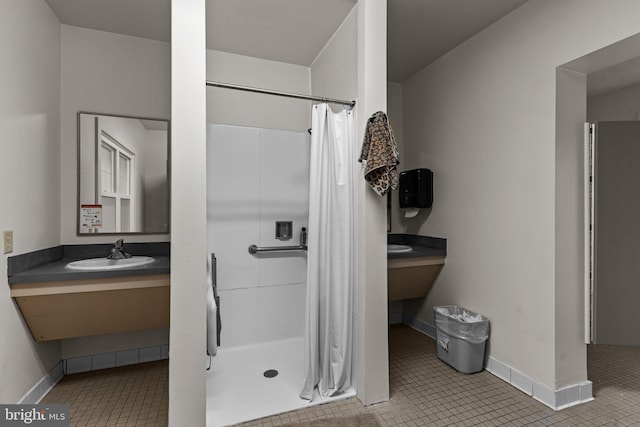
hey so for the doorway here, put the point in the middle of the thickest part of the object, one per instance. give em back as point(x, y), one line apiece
point(613, 356)
point(615, 242)
point(577, 103)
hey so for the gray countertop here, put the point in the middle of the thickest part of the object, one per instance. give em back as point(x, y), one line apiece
point(55, 271)
point(423, 246)
point(48, 265)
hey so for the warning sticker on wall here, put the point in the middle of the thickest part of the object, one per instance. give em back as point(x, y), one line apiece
point(90, 218)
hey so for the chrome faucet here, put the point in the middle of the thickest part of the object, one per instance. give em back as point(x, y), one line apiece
point(117, 251)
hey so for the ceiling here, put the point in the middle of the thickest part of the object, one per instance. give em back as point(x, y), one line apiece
point(614, 78)
point(149, 19)
point(421, 31)
point(291, 31)
point(295, 31)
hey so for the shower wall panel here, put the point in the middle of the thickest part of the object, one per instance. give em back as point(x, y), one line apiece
point(256, 177)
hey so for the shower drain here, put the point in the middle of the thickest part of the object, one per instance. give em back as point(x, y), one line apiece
point(270, 373)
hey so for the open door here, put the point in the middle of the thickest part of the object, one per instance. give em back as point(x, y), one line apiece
point(614, 237)
point(589, 134)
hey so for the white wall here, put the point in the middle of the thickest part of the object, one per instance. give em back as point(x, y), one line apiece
point(489, 110)
point(256, 177)
point(112, 74)
point(30, 149)
point(233, 107)
point(623, 104)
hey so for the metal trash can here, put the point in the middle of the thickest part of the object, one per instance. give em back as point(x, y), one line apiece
point(461, 336)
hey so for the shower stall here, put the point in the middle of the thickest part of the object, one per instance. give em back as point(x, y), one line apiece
point(258, 183)
point(255, 178)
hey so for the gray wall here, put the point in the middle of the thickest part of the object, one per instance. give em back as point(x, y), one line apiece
point(30, 173)
point(485, 118)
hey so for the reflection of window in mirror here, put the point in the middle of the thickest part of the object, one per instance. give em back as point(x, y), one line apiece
point(107, 155)
point(116, 197)
point(123, 173)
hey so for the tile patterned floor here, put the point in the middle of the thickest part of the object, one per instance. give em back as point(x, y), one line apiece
point(427, 392)
point(424, 392)
point(136, 395)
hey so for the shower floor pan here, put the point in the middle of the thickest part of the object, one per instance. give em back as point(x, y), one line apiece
point(238, 390)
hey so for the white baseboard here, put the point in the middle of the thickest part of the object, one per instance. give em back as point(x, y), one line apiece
point(555, 399)
point(43, 386)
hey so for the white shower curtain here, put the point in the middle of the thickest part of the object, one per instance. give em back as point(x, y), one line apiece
point(330, 256)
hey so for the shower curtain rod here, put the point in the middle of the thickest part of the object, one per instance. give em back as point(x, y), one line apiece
point(351, 104)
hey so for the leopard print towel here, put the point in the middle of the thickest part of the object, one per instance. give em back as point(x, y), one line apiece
point(380, 151)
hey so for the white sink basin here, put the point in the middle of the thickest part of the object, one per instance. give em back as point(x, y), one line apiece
point(398, 249)
point(104, 264)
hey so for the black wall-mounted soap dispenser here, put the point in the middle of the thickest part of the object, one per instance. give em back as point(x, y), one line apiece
point(416, 188)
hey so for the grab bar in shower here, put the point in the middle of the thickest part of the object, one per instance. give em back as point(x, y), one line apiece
point(253, 249)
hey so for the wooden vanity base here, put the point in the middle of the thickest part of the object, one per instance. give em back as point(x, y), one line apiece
point(77, 308)
point(412, 277)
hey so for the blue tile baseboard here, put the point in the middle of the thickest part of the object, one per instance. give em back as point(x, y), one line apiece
point(114, 359)
point(554, 399)
point(92, 363)
point(43, 386)
point(395, 318)
point(419, 325)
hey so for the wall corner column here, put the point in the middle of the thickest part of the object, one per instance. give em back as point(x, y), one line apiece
point(187, 380)
point(571, 114)
point(371, 282)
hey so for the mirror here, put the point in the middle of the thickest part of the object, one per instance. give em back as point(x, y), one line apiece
point(123, 174)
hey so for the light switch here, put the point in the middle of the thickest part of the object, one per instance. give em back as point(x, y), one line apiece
point(7, 238)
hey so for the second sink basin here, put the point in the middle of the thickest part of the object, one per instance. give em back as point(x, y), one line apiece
point(397, 249)
point(104, 264)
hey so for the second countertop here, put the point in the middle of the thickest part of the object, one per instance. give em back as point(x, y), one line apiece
point(422, 246)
